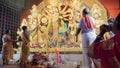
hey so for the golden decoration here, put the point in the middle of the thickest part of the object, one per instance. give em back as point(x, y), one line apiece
point(51, 13)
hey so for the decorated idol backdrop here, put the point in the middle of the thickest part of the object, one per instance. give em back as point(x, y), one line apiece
point(58, 22)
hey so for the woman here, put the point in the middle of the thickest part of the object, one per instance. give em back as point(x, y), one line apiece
point(103, 30)
point(7, 48)
point(109, 51)
point(25, 47)
point(25, 52)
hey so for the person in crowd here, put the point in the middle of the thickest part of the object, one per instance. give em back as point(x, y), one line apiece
point(103, 30)
point(87, 26)
point(109, 51)
point(110, 23)
point(109, 33)
point(25, 52)
point(7, 49)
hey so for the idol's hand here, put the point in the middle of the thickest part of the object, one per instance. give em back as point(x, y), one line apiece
point(37, 24)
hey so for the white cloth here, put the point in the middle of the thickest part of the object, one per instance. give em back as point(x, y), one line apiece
point(87, 40)
point(88, 37)
point(111, 34)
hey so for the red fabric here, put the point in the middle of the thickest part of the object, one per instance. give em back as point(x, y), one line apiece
point(104, 55)
point(88, 22)
point(107, 54)
point(58, 56)
point(117, 45)
point(97, 50)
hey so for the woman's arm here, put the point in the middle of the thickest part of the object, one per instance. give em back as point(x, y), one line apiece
point(77, 32)
point(106, 36)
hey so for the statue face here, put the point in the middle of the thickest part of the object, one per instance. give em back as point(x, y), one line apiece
point(96, 16)
point(44, 20)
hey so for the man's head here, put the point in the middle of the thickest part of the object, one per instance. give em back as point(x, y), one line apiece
point(24, 28)
point(86, 11)
point(111, 21)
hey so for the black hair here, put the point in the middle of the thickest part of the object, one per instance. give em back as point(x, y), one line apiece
point(86, 11)
point(111, 20)
point(24, 28)
point(118, 22)
point(104, 28)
